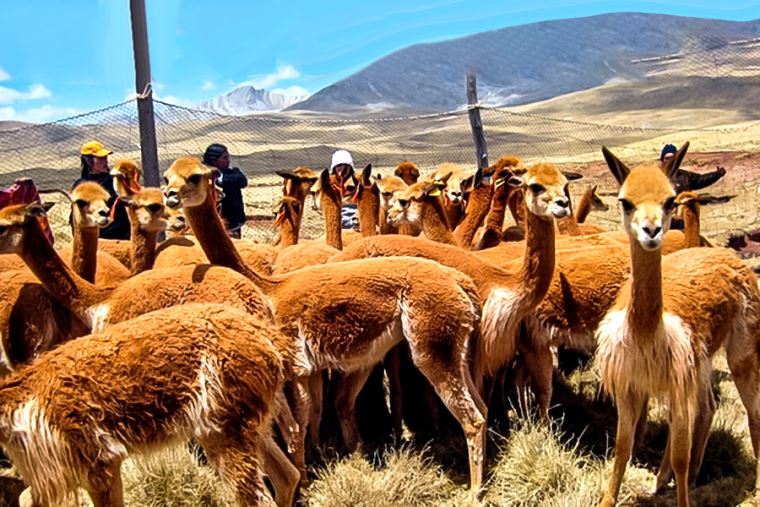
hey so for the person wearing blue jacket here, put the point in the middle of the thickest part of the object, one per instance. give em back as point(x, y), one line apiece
point(232, 181)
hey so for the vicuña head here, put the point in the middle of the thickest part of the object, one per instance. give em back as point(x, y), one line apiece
point(147, 206)
point(388, 187)
point(545, 193)
point(126, 178)
point(90, 205)
point(406, 204)
point(288, 210)
point(407, 171)
point(176, 223)
point(647, 198)
point(12, 220)
point(187, 183)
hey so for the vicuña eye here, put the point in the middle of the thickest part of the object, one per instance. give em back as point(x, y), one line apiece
point(536, 188)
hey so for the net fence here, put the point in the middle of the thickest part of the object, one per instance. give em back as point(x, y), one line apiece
point(559, 132)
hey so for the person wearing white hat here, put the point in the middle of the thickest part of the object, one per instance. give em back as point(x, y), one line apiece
point(342, 167)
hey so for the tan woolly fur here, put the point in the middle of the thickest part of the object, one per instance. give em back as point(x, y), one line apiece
point(207, 372)
point(348, 318)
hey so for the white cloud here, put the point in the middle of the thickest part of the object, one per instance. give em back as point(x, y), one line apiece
point(208, 85)
point(42, 114)
point(4, 76)
point(292, 91)
point(35, 91)
point(283, 72)
point(171, 99)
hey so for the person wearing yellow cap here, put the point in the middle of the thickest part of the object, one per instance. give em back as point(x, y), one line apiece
point(94, 160)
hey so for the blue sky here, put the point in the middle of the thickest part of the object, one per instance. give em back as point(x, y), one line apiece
point(61, 58)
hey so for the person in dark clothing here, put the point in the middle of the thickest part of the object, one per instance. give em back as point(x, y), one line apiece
point(342, 169)
point(232, 181)
point(94, 159)
point(687, 181)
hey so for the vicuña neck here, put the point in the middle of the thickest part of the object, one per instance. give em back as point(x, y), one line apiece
point(84, 252)
point(495, 217)
point(454, 214)
point(385, 227)
point(433, 222)
point(568, 226)
point(142, 246)
point(369, 211)
point(289, 231)
point(516, 203)
point(645, 306)
point(538, 264)
point(59, 279)
point(477, 209)
point(691, 227)
point(584, 207)
point(331, 206)
point(209, 230)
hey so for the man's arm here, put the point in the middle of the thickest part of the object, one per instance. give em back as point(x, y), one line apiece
point(234, 178)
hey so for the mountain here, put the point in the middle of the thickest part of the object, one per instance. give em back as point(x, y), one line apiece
point(246, 100)
point(528, 63)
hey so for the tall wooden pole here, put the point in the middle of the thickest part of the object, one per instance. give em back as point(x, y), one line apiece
point(476, 125)
point(148, 147)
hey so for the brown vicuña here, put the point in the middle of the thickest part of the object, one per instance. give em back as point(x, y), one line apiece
point(506, 295)
point(89, 214)
point(574, 224)
point(670, 318)
point(207, 372)
point(348, 316)
point(413, 206)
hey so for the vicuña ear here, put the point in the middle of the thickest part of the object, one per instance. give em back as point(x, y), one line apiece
point(445, 178)
point(571, 175)
point(367, 175)
point(674, 163)
point(37, 209)
point(618, 169)
point(415, 172)
point(515, 181)
point(288, 175)
point(480, 178)
point(433, 189)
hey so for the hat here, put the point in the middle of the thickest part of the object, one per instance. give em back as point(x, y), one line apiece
point(213, 152)
point(341, 157)
point(667, 150)
point(95, 149)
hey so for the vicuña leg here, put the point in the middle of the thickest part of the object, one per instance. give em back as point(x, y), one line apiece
point(393, 369)
point(629, 407)
point(538, 362)
point(349, 387)
point(283, 474)
point(103, 484)
point(744, 366)
point(680, 435)
point(449, 373)
point(235, 453)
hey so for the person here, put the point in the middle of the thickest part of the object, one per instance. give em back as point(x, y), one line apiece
point(342, 169)
point(687, 181)
point(232, 181)
point(94, 163)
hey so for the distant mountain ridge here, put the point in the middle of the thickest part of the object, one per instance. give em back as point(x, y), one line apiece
point(526, 63)
point(246, 100)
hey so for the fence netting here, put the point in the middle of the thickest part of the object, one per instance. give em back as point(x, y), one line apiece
point(260, 144)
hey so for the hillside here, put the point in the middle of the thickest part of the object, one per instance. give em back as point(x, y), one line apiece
point(529, 63)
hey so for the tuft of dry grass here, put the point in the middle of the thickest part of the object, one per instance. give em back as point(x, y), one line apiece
point(397, 478)
point(173, 478)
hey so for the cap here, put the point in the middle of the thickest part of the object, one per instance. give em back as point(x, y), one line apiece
point(341, 157)
point(668, 149)
point(95, 149)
